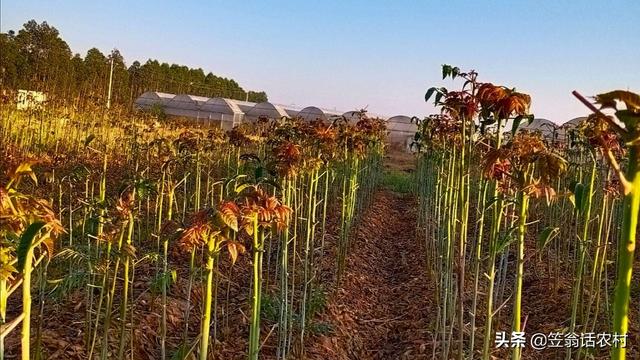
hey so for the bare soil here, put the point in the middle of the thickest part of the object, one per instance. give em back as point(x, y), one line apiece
point(383, 306)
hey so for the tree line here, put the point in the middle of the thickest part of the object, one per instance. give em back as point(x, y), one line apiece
point(37, 58)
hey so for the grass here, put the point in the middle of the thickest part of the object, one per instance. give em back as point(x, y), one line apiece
point(398, 181)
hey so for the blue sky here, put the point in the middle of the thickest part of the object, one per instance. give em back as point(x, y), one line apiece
point(380, 54)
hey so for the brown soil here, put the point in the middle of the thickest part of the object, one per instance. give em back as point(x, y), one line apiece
point(382, 308)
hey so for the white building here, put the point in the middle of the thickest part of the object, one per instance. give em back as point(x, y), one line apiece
point(27, 99)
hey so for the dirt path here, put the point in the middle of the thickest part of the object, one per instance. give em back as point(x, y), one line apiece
point(382, 308)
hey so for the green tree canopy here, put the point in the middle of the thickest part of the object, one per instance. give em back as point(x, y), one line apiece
point(37, 58)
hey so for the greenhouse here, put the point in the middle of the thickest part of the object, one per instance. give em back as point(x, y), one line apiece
point(244, 106)
point(573, 123)
point(266, 110)
point(547, 128)
point(186, 105)
point(352, 117)
point(311, 113)
point(151, 98)
point(564, 129)
point(226, 111)
point(538, 124)
point(401, 131)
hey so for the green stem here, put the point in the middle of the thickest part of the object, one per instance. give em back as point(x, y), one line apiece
point(254, 332)
point(206, 316)
point(523, 199)
point(626, 250)
point(25, 338)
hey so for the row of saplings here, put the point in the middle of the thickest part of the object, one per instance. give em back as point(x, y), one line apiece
point(273, 182)
point(485, 188)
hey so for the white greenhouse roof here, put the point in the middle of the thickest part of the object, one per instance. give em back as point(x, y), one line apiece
point(352, 116)
point(151, 98)
point(311, 113)
point(268, 110)
point(224, 109)
point(245, 106)
point(401, 124)
point(543, 125)
point(573, 122)
point(222, 106)
point(187, 102)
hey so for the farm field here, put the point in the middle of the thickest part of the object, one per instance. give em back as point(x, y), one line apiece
point(157, 211)
point(286, 238)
